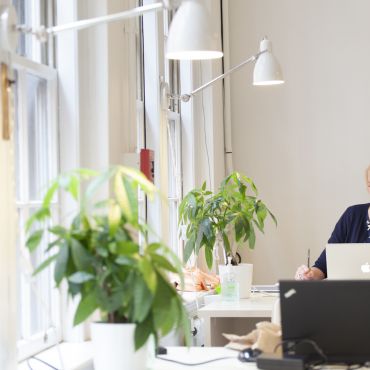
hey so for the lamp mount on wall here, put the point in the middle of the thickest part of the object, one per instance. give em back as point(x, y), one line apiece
point(267, 71)
point(187, 43)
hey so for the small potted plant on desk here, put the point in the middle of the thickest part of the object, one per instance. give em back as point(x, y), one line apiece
point(99, 258)
point(212, 217)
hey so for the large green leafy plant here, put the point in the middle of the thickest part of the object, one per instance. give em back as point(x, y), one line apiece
point(99, 257)
point(234, 208)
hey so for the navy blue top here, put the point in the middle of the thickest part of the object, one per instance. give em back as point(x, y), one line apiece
point(352, 227)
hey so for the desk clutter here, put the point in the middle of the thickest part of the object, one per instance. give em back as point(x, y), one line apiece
point(266, 338)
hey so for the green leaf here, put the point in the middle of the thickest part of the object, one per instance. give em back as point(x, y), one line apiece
point(58, 230)
point(165, 312)
point(127, 247)
point(109, 301)
point(102, 251)
point(132, 192)
point(209, 257)
point(184, 322)
point(198, 242)
point(74, 186)
point(189, 248)
point(147, 186)
point(80, 277)
point(148, 273)
point(143, 331)
point(39, 215)
point(74, 289)
point(153, 247)
point(239, 227)
point(34, 240)
point(273, 217)
point(114, 218)
point(247, 229)
point(163, 262)
point(252, 238)
point(207, 228)
point(226, 242)
point(86, 173)
point(125, 261)
point(86, 307)
point(81, 257)
point(261, 214)
point(142, 300)
point(96, 183)
point(61, 263)
point(49, 195)
point(45, 264)
point(122, 196)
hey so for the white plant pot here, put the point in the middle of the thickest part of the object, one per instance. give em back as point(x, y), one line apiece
point(114, 347)
point(243, 275)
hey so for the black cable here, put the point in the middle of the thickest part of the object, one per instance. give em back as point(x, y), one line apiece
point(197, 363)
point(29, 366)
point(318, 350)
point(42, 361)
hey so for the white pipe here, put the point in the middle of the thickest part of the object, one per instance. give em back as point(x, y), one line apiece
point(227, 96)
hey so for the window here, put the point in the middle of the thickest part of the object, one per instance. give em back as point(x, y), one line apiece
point(36, 148)
point(174, 180)
point(174, 155)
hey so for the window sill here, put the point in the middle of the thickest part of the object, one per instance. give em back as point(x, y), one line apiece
point(78, 356)
point(195, 300)
point(75, 356)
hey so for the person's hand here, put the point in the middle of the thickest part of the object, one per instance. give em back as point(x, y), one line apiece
point(304, 273)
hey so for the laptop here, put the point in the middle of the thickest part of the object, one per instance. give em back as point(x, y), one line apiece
point(331, 316)
point(348, 261)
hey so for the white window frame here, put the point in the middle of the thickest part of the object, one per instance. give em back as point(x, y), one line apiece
point(52, 335)
point(174, 180)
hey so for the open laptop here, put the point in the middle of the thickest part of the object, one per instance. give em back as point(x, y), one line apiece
point(329, 316)
point(348, 261)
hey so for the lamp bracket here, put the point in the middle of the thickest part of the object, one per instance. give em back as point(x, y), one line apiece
point(171, 4)
point(184, 97)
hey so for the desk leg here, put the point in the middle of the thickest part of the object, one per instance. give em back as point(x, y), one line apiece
point(207, 331)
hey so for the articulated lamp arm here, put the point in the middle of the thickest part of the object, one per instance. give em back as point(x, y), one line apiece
point(186, 97)
point(42, 33)
point(267, 71)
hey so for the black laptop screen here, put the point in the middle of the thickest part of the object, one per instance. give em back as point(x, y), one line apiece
point(334, 314)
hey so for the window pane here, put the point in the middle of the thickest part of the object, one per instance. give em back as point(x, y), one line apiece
point(32, 14)
point(38, 136)
point(35, 167)
point(174, 183)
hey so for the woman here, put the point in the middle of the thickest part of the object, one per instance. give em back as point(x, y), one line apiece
point(352, 227)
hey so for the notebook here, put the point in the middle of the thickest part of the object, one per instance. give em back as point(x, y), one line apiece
point(348, 261)
point(327, 320)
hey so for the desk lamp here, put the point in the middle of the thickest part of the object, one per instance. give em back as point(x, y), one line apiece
point(267, 71)
point(184, 42)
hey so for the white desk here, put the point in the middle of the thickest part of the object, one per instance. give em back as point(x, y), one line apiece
point(199, 354)
point(258, 306)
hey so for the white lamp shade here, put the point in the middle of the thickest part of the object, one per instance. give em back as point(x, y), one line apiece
point(267, 70)
point(191, 36)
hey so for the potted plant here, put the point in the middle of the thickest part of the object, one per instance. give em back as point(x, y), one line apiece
point(101, 261)
point(213, 217)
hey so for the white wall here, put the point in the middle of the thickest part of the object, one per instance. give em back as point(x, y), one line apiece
point(306, 143)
